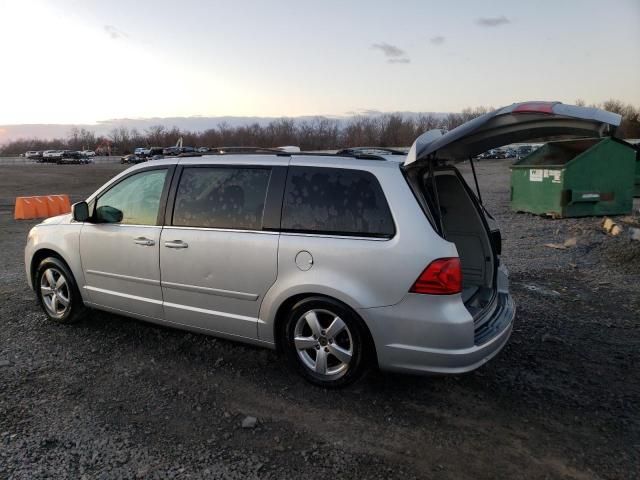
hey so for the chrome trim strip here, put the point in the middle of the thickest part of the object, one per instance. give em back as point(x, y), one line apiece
point(125, 295)
point(265, 232)
point(343, 237)
point(146, 281)
point(122, 225)
point(211, 312)
point(211, 291)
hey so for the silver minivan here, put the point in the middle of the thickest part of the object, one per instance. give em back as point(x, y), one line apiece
point(342, 261)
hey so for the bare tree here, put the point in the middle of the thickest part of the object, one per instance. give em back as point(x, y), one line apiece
point(391, 130)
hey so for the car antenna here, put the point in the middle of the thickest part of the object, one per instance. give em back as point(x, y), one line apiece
point(475, 179)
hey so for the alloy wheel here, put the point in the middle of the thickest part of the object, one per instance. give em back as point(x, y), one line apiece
point(324, 343)
point(55, 292)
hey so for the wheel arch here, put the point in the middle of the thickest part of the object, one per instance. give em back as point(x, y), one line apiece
point(39, 255)
point(286, 306)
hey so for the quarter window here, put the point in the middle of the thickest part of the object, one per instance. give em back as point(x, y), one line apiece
point(134, 201)
point(221, 197)
point(335, 201)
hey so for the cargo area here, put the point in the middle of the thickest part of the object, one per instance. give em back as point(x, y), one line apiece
point(458, 218)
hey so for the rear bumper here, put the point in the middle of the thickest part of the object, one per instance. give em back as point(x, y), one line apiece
point(426, 334)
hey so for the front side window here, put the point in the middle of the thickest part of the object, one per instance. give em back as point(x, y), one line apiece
point(221, 197)
point(133, 201)
point(335, 201)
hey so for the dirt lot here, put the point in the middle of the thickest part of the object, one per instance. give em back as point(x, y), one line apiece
point(116, 398)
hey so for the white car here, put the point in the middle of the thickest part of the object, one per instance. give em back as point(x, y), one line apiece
point(140, 151)
point(343, 261)
point(50, 155)
point(88, 153)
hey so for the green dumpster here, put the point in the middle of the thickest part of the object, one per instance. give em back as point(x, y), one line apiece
point(575, 178)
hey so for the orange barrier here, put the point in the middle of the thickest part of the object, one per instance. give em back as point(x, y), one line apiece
point(41, 207)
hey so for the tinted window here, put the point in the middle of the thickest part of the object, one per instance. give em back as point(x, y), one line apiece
point(221, 197)
point(332, 200)
point(134, 201)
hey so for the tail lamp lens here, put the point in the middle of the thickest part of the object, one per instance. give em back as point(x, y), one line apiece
point(442, 277)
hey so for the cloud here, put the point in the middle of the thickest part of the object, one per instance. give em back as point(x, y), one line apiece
point(114, 32)
point(388, 50)
point(437, 40)
point(394, 54)
point(492, 21)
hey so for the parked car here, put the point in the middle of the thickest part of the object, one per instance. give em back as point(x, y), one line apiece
point(171, 151)
point(51, 155)
point(72, 157)
point(523, 151)
point(55, 155)
point(33, 155)
point(153, 151)
point(203, 149)
point(131, 158)
point(343, 262)
point(139, 151)
point(88, 153)
point(496, 154)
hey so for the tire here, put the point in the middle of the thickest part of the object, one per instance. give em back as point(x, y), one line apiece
point(55, 287)
point(330, 359)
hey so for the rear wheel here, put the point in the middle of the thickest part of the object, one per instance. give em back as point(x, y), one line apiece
point(58, 292)
point(326, 342)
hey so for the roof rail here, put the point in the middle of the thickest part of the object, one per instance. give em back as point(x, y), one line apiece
point(369, 151)
point(223, 150)
point(362, 153)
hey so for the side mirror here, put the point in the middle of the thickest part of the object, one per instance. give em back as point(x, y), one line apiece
point(107, 214)
point(80, 211)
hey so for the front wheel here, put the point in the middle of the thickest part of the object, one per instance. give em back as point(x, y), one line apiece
point(326, 342)
point(57, 292)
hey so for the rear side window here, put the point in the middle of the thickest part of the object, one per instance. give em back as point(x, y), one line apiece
point(221, 197)
point(335, 201)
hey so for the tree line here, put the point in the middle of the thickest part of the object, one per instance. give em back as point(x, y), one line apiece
point(386, 130)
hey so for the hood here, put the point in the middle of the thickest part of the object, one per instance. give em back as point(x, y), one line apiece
point(520, 122)
point(57, 220)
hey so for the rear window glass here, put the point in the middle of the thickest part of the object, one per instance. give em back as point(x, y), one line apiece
point(221, 197)
point(335, 201)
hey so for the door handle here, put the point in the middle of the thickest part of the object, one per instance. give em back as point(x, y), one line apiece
point(176, 244)
point(147, 242)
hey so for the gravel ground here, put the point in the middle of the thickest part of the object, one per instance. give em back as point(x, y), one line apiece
point(116, 398)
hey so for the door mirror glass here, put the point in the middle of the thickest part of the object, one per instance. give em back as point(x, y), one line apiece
point(80, 211)
point(107, 214)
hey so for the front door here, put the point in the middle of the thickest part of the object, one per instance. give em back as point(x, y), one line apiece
point(119, 249)
point(216, 259)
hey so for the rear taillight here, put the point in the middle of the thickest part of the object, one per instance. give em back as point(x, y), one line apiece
point(442, 277)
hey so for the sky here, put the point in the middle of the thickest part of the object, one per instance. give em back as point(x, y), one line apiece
point(66, 61)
